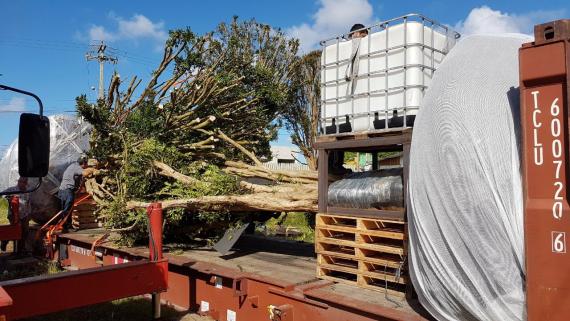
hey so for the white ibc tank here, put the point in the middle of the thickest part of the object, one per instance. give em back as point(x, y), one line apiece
point(382, 76)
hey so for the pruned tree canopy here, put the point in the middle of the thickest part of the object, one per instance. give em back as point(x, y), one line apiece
point(194, 134)
point(301, 117)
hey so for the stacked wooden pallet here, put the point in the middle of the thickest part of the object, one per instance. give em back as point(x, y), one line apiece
point(83, 215)
point(368, 252)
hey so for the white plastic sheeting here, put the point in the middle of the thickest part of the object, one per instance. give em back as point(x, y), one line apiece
point(69, 138)
point(465, 192)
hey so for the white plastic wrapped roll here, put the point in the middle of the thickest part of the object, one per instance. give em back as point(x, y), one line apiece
point(465, 193)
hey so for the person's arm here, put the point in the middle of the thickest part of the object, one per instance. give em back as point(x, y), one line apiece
point(90, 172)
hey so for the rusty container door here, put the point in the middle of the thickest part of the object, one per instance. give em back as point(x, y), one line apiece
point(544, 76)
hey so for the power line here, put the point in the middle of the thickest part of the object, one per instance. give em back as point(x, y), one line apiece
point(50, 42)
point(73, 46)
point(39, 44)
point(129, 55)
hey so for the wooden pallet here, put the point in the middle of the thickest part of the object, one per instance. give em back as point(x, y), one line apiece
point(392, 137)
point(367, 252)
point(365, 134)
point(83, 216)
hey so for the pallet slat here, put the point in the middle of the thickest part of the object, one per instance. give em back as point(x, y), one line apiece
point(88, 225)
point(359, 282)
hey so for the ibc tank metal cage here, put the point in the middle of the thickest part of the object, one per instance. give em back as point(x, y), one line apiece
point(394, 64)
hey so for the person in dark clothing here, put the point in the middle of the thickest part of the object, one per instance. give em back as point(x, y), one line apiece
point(70, 183)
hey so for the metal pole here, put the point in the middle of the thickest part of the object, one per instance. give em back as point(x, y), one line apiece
point(101, 94)
point(15, 208)
point(102, 57)
point(154, 212)
point(156, 306)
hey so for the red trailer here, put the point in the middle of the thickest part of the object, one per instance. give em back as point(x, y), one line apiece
point(40, 295)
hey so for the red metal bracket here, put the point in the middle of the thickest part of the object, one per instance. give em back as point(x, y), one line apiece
point(239, 286)
point(10, 232)
point(298, 296)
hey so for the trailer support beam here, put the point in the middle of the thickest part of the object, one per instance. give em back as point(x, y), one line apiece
point(544, 92)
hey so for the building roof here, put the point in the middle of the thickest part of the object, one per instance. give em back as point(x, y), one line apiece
point(282, 152)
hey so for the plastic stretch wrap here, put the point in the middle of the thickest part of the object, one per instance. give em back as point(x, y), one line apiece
point(377, 189)
point(465, 190)
point(69, 137)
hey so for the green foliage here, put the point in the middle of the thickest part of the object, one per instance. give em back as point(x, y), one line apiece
point(104, 140)
point(212, 181)
point(138, 174)
point(301, 116)
point(4, 211)
point(235, 79)
point(40, 267)
point(245, 63)
point(303, 222)
point(139, 181)
point(135, 308)
point(146, 121)
point(384, 155)
point(251, 61)
point(349, 157)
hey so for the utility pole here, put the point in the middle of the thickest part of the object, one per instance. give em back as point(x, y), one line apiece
point(98, 53)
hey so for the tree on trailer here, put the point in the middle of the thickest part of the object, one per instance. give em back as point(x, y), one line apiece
point(190, 137)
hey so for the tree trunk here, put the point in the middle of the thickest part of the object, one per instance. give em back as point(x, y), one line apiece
point(267, 202)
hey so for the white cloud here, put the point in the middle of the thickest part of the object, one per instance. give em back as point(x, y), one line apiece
point(140, 26)
point(16, 104)
point(99, 33)
point(484, 20)
point(333, 17)
point(137, 27)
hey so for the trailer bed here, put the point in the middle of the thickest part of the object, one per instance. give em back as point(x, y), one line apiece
point(287, 268)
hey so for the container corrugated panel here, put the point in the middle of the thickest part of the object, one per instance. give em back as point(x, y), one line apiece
point(378, 81)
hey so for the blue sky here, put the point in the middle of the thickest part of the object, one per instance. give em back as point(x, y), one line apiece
point(43, 43)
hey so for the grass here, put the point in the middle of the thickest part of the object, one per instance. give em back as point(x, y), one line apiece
point(42, 267)
point(295, 220)
point(3, 211)
point(137, 308)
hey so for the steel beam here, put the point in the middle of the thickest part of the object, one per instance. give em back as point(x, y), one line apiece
point(47, 294)
point(544, 92)
point(10, 232)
